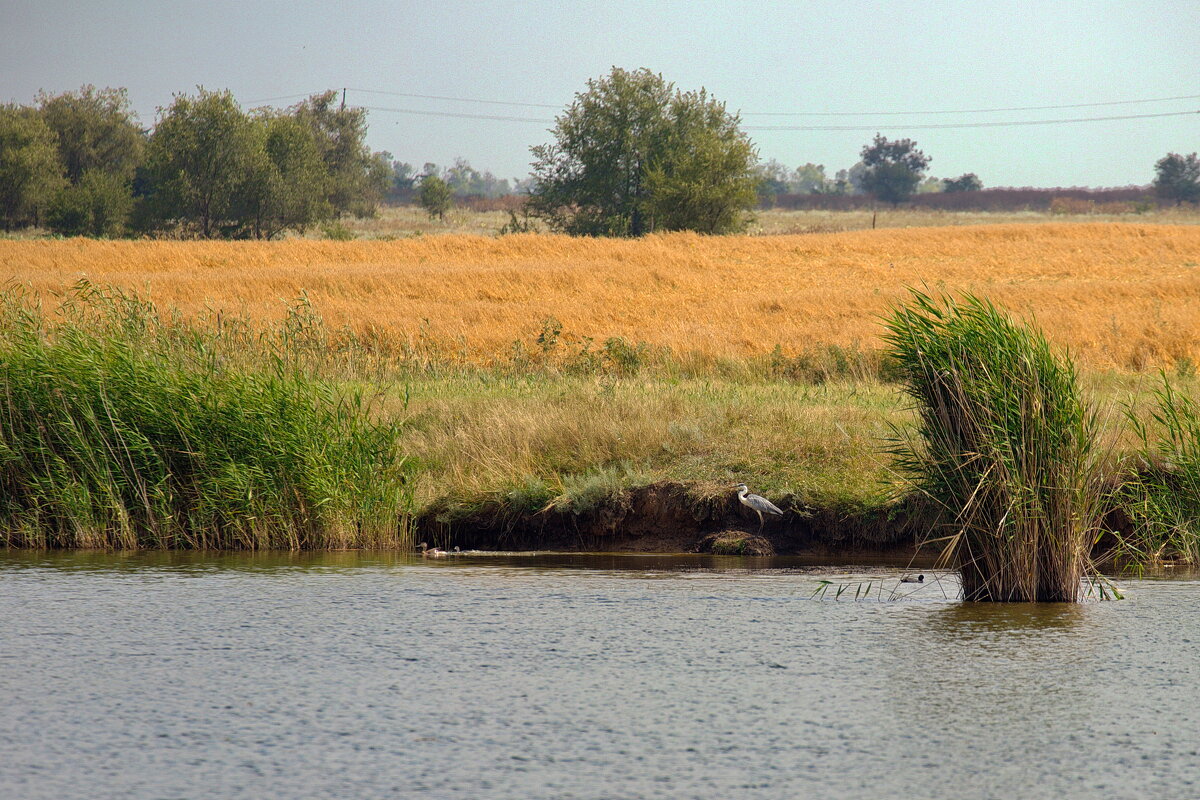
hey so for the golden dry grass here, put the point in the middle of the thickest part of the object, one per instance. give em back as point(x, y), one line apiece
point(1118, 294)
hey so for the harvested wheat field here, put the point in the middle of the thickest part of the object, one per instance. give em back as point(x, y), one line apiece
point(1120, 295)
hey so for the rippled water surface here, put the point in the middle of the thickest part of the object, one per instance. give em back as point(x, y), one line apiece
point(361, 676)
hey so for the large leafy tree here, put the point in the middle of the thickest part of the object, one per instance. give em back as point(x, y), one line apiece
point(197, 162)
point(893, 168)
point(1177, 177)
point(30, 172)
point(283, 186)
point(705, 180)
point(98, 204)
point(632, 155)
point(101, 145)
point(97, 130)
point(355, 179)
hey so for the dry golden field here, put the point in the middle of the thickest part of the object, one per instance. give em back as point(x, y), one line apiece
point(1120, 295)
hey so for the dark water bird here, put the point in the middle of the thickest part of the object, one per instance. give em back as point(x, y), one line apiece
point(431, 552)
point(759, 504)
point(913, 579)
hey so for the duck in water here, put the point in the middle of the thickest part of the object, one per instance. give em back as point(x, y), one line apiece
point(431, 552)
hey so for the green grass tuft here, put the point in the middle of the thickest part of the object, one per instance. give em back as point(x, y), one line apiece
point(1163, 498)
point(1006, 447)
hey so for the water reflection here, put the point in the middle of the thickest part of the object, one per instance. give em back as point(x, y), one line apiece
point(968, 622)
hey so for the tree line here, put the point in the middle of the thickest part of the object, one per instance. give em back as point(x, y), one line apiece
point(79, 163)
point(631, 155)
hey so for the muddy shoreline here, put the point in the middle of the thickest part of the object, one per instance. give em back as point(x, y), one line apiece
point(671, 517)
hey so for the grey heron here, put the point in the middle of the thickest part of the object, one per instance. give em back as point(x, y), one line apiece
point(759, 504)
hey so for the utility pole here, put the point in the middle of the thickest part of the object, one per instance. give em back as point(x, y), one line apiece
point(343, 108)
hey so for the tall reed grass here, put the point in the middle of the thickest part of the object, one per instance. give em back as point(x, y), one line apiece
point(122, 428)
point(1162, 498)
point(1006, 448)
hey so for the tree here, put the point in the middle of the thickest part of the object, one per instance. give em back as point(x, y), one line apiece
point(1177, 178)
point(283, 187)
point(847, 181)
point(96, 129)
point(631, 155)
point(967, 182)
point(356, 180)
point(772, 181)
point(435, 196)
point(30, 172)
point(198, 158)
point(808, 179)
point(893, 168)
point(931, 185)
point(465, 180)
point(705, 180)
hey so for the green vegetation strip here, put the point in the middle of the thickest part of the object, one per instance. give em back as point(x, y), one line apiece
point(120, 430)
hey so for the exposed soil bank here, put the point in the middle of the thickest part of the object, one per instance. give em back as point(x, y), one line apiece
point(670, 517)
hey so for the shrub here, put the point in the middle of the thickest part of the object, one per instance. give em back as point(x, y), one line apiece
point(99, 205)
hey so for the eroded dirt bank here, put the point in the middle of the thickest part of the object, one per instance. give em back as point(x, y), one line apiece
point(671, 518)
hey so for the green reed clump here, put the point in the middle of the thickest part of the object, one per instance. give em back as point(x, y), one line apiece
point(1163, 497)
point(1006, 446)
point(119, 428)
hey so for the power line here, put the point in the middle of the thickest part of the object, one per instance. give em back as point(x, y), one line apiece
point(947, 125)
point(897, 125)
point(455, 115)
point(941, 112)
point(456, 99)
point(810, 128)
point(962, 111)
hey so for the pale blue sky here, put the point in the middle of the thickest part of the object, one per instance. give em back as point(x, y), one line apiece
point(823, 56)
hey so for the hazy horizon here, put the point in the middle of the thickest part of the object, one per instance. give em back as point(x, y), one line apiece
point(876, 67)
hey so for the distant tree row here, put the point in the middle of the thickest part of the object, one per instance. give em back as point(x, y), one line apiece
point(1177, 178)
point(631, 155)
point(80, 164)
point(892, 171)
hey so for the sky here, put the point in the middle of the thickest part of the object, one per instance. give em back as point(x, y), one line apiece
point(818, 63)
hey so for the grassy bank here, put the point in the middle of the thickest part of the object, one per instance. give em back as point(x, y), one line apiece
point(262, 437)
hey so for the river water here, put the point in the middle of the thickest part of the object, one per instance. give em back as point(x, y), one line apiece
point(352, 675)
